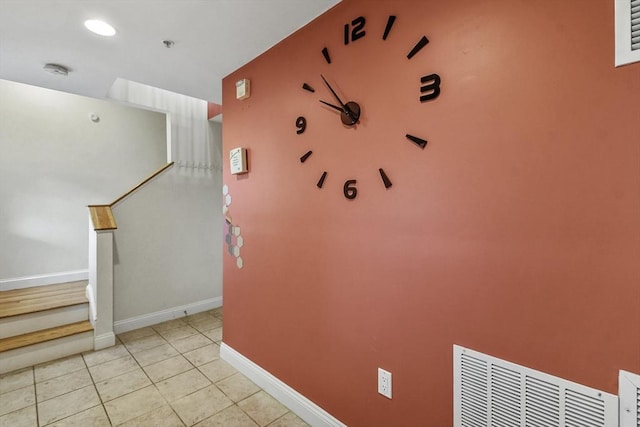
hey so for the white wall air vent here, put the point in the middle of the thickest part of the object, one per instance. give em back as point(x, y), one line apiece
point(627, 29)
point(490, 392)
point(629, 389)
point(635, 25)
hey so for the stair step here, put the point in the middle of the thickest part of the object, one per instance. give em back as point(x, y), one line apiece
point(59, 287)
point(44, 335)
point(62, 309)
point(45, 351)
point(32, 300)
point(30, 322)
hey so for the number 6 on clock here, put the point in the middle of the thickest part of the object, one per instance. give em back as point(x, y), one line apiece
point(350, 190)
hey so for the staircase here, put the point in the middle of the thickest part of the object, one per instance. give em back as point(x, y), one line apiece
point(43, 323)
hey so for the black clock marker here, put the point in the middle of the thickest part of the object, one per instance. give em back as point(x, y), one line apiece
point(306, 156)
point(418, 141)
point(349, 111)
point(390, 22)
point(325, 53)
point(349, 189)
point(301, 124)
point(385, 178)
point(357, 32)
point(432, 86)
point(321, 180)
point(421, 43)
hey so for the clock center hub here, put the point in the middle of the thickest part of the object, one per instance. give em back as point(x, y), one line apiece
point(351, 114)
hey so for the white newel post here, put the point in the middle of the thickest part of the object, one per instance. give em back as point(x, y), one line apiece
point(100, 288)
point(91, 287)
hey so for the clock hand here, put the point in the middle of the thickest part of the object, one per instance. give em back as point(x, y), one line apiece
point(349, 112)
point(348, 118)
point(332, 106)
point(344, 107)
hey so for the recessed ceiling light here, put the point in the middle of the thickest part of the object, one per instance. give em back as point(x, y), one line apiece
point(99, 27)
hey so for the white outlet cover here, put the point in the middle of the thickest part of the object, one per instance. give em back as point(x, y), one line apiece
point(384, 383)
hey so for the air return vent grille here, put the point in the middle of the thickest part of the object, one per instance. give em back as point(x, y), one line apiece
point(629, 399)
point(490, 392)
point(543, 407)
point(473, 391)
point(627, 13)
point(635, 24)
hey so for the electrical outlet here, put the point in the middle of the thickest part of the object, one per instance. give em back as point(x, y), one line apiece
point(384, 382)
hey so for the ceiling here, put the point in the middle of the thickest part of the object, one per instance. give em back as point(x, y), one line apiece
point(212, 38)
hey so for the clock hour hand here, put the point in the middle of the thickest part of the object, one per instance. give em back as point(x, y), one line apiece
point(335, 107)
point(344, 107)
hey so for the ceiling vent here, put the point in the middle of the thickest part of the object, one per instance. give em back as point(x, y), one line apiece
point(56, 69)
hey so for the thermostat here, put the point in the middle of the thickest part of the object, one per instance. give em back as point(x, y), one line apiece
point(243, 89)
point(238, 161)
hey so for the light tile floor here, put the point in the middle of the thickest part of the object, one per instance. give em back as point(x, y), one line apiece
point(166, 375)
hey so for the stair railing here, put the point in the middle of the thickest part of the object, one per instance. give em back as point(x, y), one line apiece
point(100, 288)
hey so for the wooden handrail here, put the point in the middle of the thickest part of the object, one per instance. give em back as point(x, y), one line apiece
point(147, 179)
point(102, 215)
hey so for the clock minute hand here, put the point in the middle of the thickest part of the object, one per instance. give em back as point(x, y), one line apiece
point(344, 107)
point(335, 107)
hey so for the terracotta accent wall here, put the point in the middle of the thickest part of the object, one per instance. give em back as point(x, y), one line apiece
point(213, 110)
point(515, 232)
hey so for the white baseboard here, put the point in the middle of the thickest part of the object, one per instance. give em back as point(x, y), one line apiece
point(43, 279)
point(104, 341)
point(296, 402)
point(138, 322)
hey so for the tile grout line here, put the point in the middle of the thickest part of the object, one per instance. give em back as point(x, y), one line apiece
point(169, 403)
point(192, 365)
point(199, 332)
point(147, 375)
point(68, 392)
point(149, 378)
point(96, 389)
point(35, 394)
point(245, 412)
point(141, 368)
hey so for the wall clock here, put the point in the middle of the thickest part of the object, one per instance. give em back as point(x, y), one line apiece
point(349, 112)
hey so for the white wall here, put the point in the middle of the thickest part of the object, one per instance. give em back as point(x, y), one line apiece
point(168, 250)
point(54, 161)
